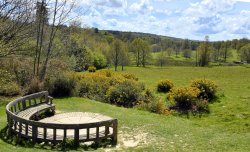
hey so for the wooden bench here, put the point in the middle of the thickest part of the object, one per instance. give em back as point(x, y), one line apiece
point(33, 112)
point(21, 111)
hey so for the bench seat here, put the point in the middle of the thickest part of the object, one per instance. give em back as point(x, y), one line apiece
point(31, 111)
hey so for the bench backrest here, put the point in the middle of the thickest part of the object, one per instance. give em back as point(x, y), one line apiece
point(28, 101)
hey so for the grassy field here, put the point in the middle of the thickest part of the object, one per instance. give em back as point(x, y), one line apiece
point(226, 128)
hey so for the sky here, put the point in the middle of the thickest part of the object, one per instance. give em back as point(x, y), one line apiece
point(191, 19)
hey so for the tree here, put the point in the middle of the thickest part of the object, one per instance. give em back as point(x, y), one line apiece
point(137, 49)
point(225, 50)
point(141, 50)
point(145, 53)
point(204, 51)
point(16, 18)
point(59, 12)
point(115, 52)
point(124, 56)
point(161, 58)
point(185, 44)
point(217, 49)
point(245, 53)
point(41, 20)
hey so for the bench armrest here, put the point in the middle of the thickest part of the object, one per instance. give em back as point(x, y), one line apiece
point(50, 99)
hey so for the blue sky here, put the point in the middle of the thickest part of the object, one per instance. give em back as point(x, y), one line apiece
point(192, 19)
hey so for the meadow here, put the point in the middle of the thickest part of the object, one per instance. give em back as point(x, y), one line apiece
point(225, 128)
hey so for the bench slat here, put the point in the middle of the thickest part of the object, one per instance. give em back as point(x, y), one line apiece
point(28, 113)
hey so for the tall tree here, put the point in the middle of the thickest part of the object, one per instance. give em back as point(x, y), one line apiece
point(41, 19)
point(141, 50)
point(137, 49)
point(59, 13)
point(145, 53)
point(245, 53)
point(161, 58)
point(115, 52)
point(124, 56)
point(204, 51)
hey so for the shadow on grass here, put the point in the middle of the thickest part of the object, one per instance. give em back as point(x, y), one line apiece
point(10, 138)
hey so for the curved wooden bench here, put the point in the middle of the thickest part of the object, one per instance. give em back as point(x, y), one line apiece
point(20, 112)
point(32, 112)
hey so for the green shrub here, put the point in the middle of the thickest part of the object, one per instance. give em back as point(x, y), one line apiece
point(157, 106)
point(184, 97)
point(100, 61)
point(10, 89)
point(200, 106)
point(125, 94)
point(207, 88)
point(23, 77)
point(8, 85)
point(164, 86)
point(150, 103)
point(61, 86)
point(34, 86)
point(92, 69)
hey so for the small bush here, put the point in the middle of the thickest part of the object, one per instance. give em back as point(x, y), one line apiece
point(157, 106)
point(23, 76)
point(164, 86)
point(150, 103)
point(61, 86)
point(8, 85)
point(92, 69)
point(200, 106)
point(34, 86)
point(125, 94)
point(10, 89)
point(207, 88)
point(184, 98)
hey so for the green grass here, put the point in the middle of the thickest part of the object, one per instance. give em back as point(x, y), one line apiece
point(226, 128)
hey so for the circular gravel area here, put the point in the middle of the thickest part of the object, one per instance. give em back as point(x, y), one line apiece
point(75, 118)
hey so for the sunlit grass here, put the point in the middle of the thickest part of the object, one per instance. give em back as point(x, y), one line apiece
point(226, 128)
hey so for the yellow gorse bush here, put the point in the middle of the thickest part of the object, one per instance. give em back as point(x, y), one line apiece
point(208, 88)
point(164, 85)
point(188, 93)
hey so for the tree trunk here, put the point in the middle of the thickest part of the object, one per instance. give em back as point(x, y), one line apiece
point(52, 36)
point(138, 58)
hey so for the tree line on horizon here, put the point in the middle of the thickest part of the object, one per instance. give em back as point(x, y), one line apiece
point(31, 35)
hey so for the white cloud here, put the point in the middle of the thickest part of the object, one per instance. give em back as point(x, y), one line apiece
point(245, 12)
point(143, 6)
point(208, 8)
point(243, 0)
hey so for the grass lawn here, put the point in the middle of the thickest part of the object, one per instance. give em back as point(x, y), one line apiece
point(226, 128)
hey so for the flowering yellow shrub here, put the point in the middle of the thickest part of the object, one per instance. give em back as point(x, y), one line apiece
point(164, 86)
point(184, 97)
point(207, 88)
point(105, 85)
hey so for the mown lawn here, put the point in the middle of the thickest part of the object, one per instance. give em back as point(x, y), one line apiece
point(226, 128)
